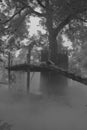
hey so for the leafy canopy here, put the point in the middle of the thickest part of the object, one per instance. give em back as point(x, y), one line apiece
point(54, 14)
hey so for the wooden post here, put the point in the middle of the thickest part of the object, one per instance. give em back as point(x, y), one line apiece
point(44, 76)
point(30, 47)
point(28, 71)
point(9, 68)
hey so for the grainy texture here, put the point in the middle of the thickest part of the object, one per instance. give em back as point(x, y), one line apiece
point(41, 68)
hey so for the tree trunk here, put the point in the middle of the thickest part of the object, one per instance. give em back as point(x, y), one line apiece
point(53, 48)
point(52, 79)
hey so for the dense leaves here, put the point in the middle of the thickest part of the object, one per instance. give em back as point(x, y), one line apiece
point(54, 14)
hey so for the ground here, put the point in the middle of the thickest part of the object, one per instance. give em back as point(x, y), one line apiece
point(43, 111)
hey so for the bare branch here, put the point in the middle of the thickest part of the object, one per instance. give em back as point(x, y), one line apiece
point(62, 24)
point(36, 13)
point(73, 15)
point(39, 2)
point(32, 10)
point(13, 16)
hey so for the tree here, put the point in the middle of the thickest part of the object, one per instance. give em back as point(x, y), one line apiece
point(77, 34)
point(56, 14)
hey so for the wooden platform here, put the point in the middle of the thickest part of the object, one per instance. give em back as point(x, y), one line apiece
point(45, 68)
point(31, 67)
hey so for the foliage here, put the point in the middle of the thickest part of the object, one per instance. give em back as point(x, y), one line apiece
point(54, 14)
point(76, 32)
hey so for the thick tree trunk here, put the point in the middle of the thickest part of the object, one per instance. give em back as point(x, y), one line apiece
point(52, 78)
point(51, 38)
point(53, 48)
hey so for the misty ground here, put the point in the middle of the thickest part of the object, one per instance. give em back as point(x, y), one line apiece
point(40, 110)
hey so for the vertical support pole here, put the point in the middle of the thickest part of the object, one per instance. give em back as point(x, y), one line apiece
point(9, 72)
point(44, 77)
point(30, 47)
point(28, 71)
point(28, 80)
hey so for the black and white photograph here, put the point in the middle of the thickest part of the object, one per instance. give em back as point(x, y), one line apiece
point(43, 64)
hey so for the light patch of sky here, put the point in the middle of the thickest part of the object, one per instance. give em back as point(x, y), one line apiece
point(67, 42)
point(17, 53)
point(34, 26)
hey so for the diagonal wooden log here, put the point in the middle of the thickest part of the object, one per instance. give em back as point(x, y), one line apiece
point(69, 74)
point(45, 67)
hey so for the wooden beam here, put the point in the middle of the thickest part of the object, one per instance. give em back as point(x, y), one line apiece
point(70, 75)
point(42, 68)
point(32, 68)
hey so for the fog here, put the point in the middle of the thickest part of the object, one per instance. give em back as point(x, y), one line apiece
point(43, 108)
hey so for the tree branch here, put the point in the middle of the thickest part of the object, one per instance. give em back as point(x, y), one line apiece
point(25, 6)
point(68, 19)
point(36, 13)
point(39, 2)
point(62, 24)
point(32, 10)
point(13, 16)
